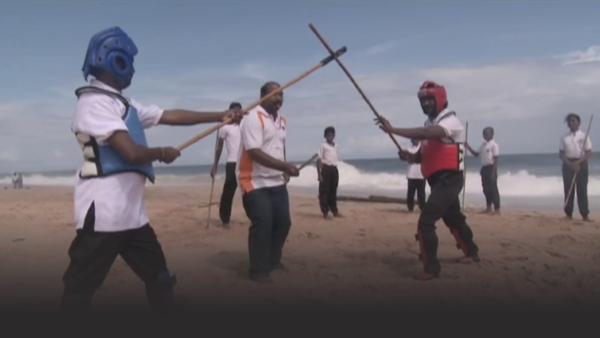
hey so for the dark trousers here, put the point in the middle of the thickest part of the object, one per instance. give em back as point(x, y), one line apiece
point(580, 189)
point(93, 253)
point(418, 186)
point(269, 212)
point(328, 189)
point(228, 192)
point(443, 203)
point(489, 181)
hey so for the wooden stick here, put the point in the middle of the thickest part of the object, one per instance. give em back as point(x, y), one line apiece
point(212, 183)
point(360, 91)
point(309, 161)
point(212, 129)
point(465, 164)
point(571, 188)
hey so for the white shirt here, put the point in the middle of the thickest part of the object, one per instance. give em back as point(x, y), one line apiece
point(260, 131)
point(230, 134)
point(328, 154)
point(572, 144)
point(119, 198)
point(414, 169)
point(487, 151)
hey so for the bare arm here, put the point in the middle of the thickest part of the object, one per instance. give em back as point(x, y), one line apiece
point(473, 151)
point(419, 133)
point(180, 117)
point(268, 161)
point(137, 154)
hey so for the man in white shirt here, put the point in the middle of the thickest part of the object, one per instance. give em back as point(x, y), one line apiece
point(265, 195)
point(415, 180)
point(110, 214)
point(575, 151)
point(230, 136)
point(489, 152)
point(441, 157)
point(328, 174)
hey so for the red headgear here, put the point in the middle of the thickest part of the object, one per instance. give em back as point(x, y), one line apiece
point(438, 92)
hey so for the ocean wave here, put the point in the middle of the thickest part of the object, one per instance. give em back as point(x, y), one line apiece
point(518, 183)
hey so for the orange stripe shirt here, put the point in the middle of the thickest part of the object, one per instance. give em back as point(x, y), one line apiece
point(259, 130)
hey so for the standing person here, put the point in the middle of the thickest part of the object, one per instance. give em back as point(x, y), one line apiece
point(265, 195)
point(575, 151)
point(328, 174)
point(489, 152)
point(416, 182)
point(230, 135)
point(441, 158)
point(110, 214)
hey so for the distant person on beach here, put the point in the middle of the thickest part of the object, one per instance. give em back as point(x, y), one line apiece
point(328, 174)
point(15, 180)
point(489, 152)
point(415, 180)
point(265, 196)
point(110, 215)
point(575, 151)
point(441, 157)
point(230, 136)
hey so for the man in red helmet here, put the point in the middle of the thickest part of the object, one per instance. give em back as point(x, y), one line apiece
point(441, 157)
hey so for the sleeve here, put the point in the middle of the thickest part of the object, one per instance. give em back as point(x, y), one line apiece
point(452, 127)
point(149, 115)
point(251, 131)
point(222, 133)
point(98, 117)
point(496, 150)
point(588, 144)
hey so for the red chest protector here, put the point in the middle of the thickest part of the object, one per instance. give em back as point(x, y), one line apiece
point(437, 156)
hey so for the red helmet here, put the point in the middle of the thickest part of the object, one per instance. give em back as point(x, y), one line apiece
point(438, 92)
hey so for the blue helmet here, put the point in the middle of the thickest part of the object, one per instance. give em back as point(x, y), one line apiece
point(112, 51)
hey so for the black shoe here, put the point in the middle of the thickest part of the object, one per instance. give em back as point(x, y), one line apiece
point(262, 278)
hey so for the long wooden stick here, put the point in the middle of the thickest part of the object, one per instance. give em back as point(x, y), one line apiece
point(465, 164)
point(212, 183)
point(309, 161)
point(360, 91)
point(587, 134)
point(211, 130)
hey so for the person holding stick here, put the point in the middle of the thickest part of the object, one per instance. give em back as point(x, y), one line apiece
point(265, 196)
point(327, 173)
point(489, 153)
point(230, 136)
point(110, 214)
point(575, 150)
point(441, 157)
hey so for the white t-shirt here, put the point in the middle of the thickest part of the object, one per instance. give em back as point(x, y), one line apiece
point(119, 198)
point(414, 169)
point(260, 131)
point(328, 154)
point(572, 144)
point(487, 151)
point(230, 134)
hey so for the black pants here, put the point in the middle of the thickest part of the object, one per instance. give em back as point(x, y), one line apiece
point(580, 189)
point(489, 181)
point(93, 253)
point(443, 203)
point(269, 211)
point(418, 186)
point(328, 189)
point(228, 192)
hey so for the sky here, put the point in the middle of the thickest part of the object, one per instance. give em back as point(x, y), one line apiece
point(519, 66)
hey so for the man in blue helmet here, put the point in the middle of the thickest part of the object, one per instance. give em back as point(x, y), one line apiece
point(110, 214)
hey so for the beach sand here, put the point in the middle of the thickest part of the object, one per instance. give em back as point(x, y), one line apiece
point(365, 260)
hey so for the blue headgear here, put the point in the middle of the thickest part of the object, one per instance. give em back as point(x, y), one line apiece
point(112, 51)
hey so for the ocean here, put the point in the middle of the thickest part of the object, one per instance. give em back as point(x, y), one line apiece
point(533, 180)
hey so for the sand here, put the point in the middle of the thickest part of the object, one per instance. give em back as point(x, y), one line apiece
point(365, 260)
